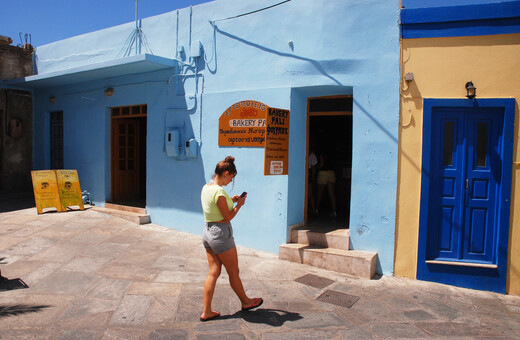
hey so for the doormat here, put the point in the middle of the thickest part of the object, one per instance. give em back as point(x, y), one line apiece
point(338, 298)
point(314, 281)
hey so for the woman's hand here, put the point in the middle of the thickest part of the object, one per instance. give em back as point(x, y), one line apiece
point(241, 200)
point(224, 210)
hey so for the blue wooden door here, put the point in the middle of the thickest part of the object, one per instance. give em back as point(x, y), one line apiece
point(464, 184)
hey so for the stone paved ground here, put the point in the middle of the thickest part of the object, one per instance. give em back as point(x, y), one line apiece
point(93, 276)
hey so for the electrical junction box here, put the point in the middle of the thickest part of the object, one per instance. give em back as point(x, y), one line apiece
point(192, 148)
point(171, 142)
point(196, 49)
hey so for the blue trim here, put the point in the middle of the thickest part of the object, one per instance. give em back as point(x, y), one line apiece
point(443, 3)
point(469, 277)
point(471, 20)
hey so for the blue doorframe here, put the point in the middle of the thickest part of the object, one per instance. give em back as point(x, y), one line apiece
point(490, 273)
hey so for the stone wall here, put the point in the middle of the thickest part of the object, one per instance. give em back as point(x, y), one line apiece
point(16, 120)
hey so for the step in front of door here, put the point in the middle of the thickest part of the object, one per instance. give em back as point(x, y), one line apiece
point(352, 262)
point(337, 239)
point(138, 218)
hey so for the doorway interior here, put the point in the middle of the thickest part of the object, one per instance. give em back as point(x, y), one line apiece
point(128, 155)
point(329, 138)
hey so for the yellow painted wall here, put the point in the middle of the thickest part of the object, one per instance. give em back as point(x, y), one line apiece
point(441, 67)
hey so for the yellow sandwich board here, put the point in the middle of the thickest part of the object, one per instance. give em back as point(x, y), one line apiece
point(69, 189)
point(56, 189)
point(45, 188)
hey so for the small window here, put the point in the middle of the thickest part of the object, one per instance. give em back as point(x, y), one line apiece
point(482, 141)
point(115, 111)
point(449, 133)
point(128, 111)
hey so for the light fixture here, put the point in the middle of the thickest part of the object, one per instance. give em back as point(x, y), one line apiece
point(471, 90)
point(52, 99)
point(109, 91)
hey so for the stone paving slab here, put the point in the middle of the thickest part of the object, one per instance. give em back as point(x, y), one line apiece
point(95, 276)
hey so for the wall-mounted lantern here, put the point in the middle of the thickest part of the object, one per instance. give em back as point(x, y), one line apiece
point(109, 91)
point(471, 90)
point(52, 99)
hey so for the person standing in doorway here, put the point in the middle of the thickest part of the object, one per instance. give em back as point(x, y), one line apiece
point(313, 171)
point(219, 209)
point(327, 178)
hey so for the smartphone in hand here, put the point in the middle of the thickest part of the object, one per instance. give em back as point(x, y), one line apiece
point(243, 194)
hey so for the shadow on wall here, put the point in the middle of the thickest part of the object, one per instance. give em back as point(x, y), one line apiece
point(336, 65)
point(175, 182)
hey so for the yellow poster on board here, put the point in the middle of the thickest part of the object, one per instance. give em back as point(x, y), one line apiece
point(45, 187)
point(69, 189)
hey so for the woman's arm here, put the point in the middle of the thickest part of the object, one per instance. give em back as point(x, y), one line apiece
point(224, 210)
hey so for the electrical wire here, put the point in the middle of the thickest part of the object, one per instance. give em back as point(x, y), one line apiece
point(244, 14)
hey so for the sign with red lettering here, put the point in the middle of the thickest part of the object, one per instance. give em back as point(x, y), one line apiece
point(276, 160)
point(243, 124)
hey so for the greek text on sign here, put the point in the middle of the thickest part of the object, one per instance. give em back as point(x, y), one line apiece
point(243, 124)
point(276, 168)
point(277, 142)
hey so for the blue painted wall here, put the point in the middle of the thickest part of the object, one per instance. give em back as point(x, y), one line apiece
point(343, 47)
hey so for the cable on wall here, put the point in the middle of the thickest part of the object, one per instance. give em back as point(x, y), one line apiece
point(248, 13)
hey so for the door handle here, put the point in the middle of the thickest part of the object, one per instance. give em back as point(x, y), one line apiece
point(467, 193)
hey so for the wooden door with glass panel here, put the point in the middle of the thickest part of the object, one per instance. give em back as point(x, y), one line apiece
point(125, 152)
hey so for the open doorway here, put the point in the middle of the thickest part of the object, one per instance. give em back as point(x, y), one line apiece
point(329, 162)
point(128, 155)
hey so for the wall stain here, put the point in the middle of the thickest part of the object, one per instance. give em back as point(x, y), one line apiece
point(362, 228)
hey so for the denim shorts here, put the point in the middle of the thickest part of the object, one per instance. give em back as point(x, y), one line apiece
point(218, 237)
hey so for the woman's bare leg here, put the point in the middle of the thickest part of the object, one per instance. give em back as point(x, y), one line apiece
point(321, 188)
point(215, 267)
point(230, 260)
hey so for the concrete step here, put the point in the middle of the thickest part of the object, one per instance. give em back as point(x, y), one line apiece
point(352, 262)
point(337, 239)
point(128, 208)
point(138, 218)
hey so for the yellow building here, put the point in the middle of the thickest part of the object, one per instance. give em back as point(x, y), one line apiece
point(458, 200)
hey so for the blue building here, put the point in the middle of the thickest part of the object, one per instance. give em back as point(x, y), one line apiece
point(116, 93)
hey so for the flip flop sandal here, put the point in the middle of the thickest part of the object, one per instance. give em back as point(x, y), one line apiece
point(211, 317)
point(257, 302)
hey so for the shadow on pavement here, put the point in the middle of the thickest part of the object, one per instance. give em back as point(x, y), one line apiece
point(6, 284)
point(271, 317)
point(16, 201)
point(20, 309)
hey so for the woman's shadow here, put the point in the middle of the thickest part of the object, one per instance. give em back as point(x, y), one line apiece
point(271, 317)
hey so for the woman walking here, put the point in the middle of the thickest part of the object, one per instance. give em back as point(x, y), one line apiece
point(219, 210)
